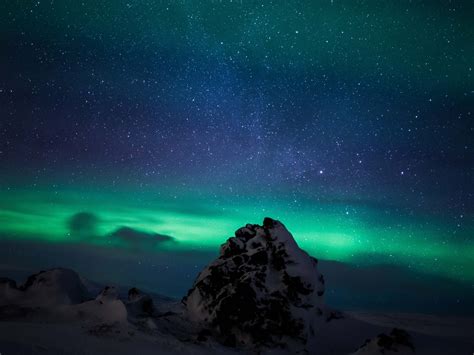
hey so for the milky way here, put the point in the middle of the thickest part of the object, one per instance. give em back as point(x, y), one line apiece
point(350, 121)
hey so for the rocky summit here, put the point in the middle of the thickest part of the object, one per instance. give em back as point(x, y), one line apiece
point(261, 290)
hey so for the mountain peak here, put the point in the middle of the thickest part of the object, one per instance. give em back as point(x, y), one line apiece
point(261, 289)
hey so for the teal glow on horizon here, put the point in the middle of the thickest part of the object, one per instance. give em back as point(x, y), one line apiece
point(360, 233)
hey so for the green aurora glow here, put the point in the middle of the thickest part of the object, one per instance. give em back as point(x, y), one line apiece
point(357, 234)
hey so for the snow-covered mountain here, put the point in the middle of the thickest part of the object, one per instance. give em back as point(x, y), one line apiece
point(262, 289)
point(263, 294)
point(52, 287)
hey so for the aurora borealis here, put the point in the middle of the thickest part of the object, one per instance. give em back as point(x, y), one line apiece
point(334, 230)
point(349, 121)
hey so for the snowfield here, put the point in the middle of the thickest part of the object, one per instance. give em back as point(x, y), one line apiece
point(263, 294)
point(72, 333)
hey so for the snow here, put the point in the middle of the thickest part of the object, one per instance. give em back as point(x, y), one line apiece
point(174, 334)
point(51, 287)
point(59, 312)
point(262, 289)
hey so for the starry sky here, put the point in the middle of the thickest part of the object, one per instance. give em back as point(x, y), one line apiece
point(156, 128)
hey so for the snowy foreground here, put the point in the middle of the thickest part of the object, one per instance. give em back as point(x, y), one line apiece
point(262, 295)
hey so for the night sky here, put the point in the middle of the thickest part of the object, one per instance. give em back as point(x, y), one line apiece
point(350, 121)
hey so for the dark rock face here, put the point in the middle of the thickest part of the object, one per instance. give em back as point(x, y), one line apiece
point(6, 282)
point(9, 291)
point(397, 337)
point(108, 293)
point(139, 304)
point(395, 342)
point(262, 290)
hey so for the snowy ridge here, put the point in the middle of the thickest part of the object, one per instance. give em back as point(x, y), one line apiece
point(46, 288)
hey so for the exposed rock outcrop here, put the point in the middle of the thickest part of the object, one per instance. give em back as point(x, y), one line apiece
point(139, 303)
point(397, 342)
point(262, 289)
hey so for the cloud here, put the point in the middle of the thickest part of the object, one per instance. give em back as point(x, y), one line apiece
point(137, 239)
point(83, 224)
